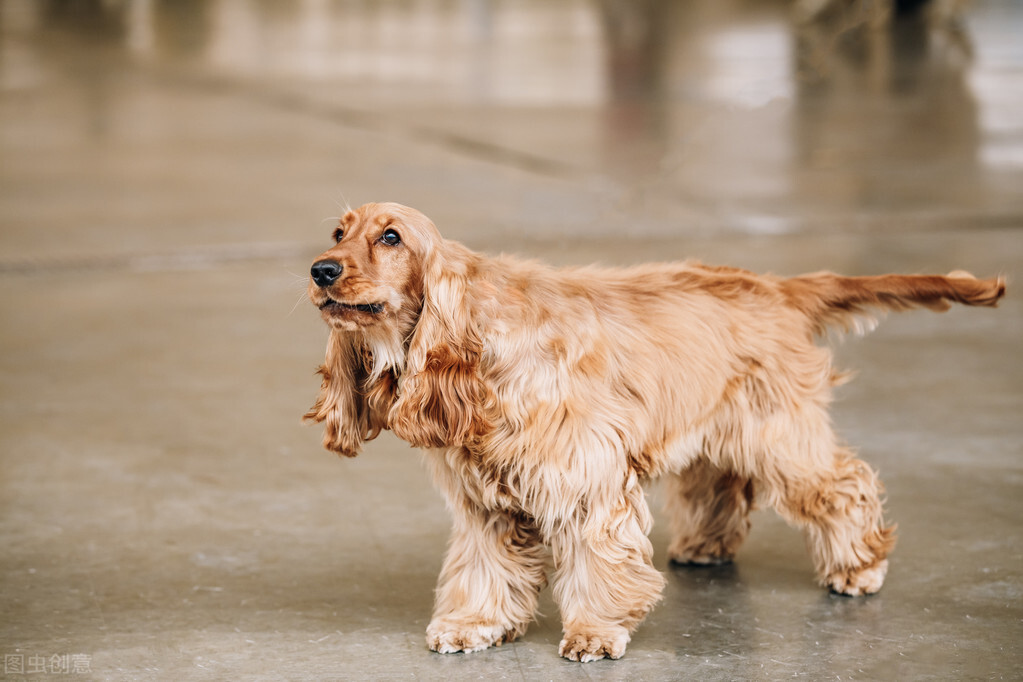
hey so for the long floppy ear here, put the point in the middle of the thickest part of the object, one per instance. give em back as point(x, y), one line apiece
point(441, 397)
point(340, 403)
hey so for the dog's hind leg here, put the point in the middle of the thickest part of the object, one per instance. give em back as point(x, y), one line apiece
point(836, 498)
point(709, 513)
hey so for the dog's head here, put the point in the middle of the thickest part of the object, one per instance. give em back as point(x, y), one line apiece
point(403, 351)
point(372, 276)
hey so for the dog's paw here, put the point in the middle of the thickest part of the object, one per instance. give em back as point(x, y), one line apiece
point(857, 582)
point(592, 645)
point(689, 559)
point(687, 551)
point(452, 636)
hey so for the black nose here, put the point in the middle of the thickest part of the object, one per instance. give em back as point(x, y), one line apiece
point(325, 272)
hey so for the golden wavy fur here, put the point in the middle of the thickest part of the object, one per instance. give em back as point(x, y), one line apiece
point(545, 398)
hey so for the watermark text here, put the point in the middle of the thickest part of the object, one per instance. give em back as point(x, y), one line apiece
point(38, 664)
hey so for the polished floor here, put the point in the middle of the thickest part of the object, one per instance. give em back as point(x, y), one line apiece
point(168, 169)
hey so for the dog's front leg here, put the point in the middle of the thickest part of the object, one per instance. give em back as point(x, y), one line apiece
point(488, 587)
point(605, 582)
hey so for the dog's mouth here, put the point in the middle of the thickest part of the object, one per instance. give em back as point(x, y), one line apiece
point(333, 307)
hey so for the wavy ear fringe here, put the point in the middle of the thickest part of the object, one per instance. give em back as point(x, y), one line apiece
point(441, 396)
point(340, 404)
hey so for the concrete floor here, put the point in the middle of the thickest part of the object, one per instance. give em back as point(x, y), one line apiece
point(164, 171)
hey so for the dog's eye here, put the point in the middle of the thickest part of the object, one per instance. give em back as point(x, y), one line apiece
point(391, 238)
point(338, 235)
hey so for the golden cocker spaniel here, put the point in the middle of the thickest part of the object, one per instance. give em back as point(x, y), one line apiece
point(545, 398)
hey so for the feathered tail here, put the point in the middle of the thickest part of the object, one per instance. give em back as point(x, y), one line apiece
point(830, 300)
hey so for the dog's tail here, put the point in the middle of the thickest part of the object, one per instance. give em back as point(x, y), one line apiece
point(830, 300)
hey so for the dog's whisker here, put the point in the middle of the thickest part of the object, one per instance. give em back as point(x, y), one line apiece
point(347, 207)
point(301, 299)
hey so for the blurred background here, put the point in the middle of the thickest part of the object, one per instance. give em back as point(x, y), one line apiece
point(169, 168)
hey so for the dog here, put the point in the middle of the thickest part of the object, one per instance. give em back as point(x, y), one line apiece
point(545, 398)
